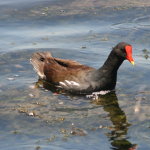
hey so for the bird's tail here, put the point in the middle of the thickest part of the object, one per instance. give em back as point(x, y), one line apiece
point(38, 61)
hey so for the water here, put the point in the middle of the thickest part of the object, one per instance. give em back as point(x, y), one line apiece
point(32, 117)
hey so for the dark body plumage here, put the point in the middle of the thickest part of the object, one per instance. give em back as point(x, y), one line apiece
point(77, 78)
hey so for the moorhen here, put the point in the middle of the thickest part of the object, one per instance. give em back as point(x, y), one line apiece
point(71, 76)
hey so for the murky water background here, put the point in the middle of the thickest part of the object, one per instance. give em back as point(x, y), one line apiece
point(34, 118)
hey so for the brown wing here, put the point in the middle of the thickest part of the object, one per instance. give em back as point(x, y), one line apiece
point(63, 69)
point(55, 69)
point(67, 62)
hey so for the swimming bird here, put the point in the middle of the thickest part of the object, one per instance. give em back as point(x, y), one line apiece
point(73, 77)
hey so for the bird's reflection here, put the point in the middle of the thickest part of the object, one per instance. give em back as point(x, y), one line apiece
point(118, 133)
point(47, 85)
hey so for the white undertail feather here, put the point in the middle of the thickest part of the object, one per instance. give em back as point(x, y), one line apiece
point(37, 69)
point(38, 61)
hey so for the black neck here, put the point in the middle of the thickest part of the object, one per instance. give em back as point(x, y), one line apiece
point(113, 62)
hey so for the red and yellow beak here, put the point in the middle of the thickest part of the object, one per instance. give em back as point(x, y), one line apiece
point(128, 49)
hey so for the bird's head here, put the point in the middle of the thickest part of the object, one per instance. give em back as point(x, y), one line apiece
point(124, 50)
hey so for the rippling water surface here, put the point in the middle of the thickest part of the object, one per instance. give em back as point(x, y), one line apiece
point(34, 118)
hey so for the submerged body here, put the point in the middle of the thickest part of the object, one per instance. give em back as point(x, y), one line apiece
point(77, 78)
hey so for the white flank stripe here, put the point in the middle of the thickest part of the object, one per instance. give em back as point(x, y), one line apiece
point(62, 83)
point(68, 82)
point(75, 83)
